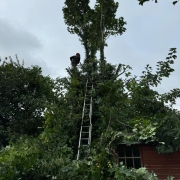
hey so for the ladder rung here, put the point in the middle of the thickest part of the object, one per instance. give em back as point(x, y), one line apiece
point(86, 117)
point(84, 138)
point(85, 132)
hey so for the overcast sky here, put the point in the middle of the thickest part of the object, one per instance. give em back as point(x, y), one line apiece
point(35, 31)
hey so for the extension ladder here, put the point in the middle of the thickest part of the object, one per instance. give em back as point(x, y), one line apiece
point(86, 124)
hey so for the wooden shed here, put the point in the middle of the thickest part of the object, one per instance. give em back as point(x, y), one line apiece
point(163, 165)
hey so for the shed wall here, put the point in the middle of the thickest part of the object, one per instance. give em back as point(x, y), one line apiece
point(162, 164)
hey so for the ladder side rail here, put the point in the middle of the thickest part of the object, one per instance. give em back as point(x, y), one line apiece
point(90, 116)
point(90, 127)
point(84, 105)
point(90, 113)
point(79, 143)
point(90, 131)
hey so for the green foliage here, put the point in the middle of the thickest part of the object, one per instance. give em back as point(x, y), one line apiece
point(125, 110)
point(16, 161)
point(101, 166)
point(168, 127)
point(79, 16)
point(36, 159)
point(24, 93)
point(33, 159)
point(93, 26)
point(133, 174)
point(141, 2)
point(174, 2)
point(130, 106)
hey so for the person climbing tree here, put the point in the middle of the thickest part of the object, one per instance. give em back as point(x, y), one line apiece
point(75, 59)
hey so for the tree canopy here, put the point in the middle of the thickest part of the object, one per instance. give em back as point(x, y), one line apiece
point(24, 93)
point(93, 26)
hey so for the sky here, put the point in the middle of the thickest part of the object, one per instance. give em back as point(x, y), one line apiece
point(36, 32)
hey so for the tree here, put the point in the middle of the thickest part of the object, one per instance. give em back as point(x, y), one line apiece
point(107, 23)
point(93, 26)
point(120, 104)
point(24, 95)
point(79, 16)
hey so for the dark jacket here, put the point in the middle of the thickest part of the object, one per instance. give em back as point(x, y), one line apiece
point(75, 59)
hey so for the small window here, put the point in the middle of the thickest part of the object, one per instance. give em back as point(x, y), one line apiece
point(129, 156)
